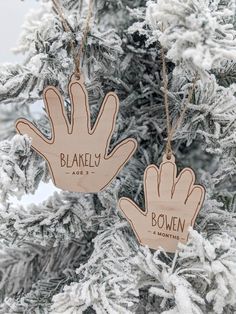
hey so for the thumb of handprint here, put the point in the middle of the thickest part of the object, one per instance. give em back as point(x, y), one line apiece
point(77, 154)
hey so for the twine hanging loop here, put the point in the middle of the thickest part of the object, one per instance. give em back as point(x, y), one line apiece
point(76, 53)
point(171, 129)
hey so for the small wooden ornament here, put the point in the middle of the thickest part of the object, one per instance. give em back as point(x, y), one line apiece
point(171, 205)
point(77, 154)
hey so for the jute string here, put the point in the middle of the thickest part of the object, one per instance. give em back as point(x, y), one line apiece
point(172, 129)
point(76, 53)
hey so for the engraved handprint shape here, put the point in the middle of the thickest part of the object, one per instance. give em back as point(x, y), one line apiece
point(77, 154)
point(171, 205)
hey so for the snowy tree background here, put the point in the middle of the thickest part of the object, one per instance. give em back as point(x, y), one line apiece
point(75, 253)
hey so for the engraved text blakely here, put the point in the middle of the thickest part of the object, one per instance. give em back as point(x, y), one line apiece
point(80, 160)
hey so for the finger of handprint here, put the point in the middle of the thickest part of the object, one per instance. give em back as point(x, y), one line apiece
point(39, 142)
point(131, 211)
point(167, 179)
point(80, 107)
point(195, 199)
point(56, 110)
point(184, 184)
point(151, 175)
point(106, 119)
point(121, 154)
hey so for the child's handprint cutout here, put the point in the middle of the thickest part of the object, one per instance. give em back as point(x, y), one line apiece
point(171, 205)
point(77, 154)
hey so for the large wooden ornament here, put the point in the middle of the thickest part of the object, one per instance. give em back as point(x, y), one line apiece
point(77, 154)
point(171, 205)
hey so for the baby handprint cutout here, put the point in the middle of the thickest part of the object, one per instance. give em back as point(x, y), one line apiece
point(77, 154)
point(171, 205)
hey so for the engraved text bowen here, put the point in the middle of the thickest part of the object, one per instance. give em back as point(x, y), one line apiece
point(166, 222)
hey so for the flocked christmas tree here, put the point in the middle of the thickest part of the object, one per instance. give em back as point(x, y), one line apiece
point(75, 253)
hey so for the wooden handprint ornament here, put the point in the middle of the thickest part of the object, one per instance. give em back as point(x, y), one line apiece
point(172, 203)
point(77, 154)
